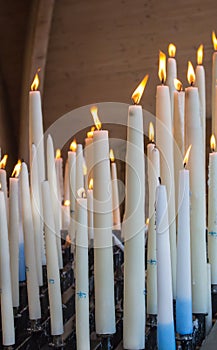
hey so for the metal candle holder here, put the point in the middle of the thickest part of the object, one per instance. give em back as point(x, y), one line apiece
point(106, 342)
point(34, 326)
point(199, 329)
point(184, 342)
point(57, 342)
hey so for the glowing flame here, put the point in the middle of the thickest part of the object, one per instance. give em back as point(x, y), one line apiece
point(185, 160)
point(147, 221)
point(112, 156)
point(90, 186)
point(58, 153)
point(190, 74)
point(212, 143)
point(90, 133)
point(67, 203)
point(35, 83)
point(172, 50)
point(81, 193)
point(200, 54)
point(137, 94)
point(84, 167)
point(162, 67)
point(151, 132)
point(214, 40)
point(94, 112)
point(73, 146)
point(17, 169)
point(3, 162)
point(178, 84)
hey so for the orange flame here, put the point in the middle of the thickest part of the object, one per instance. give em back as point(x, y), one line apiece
point(212, 143)
point(73, 146)
point(137, 94)
point(172, 50)
point(214, 40)
point(200, 54)
point(3, 162)
point(94, 112)
point(84, 166)
point(90, 133)
point(190, 73)
point(35, 83)
point(90, 186)
point(162, 67)
point(67, 203)
point(17, 169)
point(178, 84)
point(151, 132)
point(112, 156)
point(58, 153)
point(185, 160)
point(147, 221)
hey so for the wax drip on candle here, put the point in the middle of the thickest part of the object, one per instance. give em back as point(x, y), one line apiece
point(214, 41)
point(212, 143)
point(162, 67)
point(178, 85)
point(3, 162)
point(185, 161)
point(200, 55)
point(191, 74)
point(172, 50)
point(137, 94)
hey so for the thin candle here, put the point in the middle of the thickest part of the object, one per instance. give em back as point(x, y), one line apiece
point(214, 87)
point(115, 194)
point(171, 74)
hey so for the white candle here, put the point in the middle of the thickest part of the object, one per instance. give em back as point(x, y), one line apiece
point(30, 258)
point(164, 142)
point(88, 152)
point(183, 287)
point(36, 210)
point(79, 169)
point(214, 78)
point(14, 222)
point(178, 134)
point(165, 323)
point(3, 180)
point(115, 194)
point(194, 136)
point(51, 175)
point(8, 333)
point(65, 215)
point(59, 172)
point(72, 187)
point(66, 182)
point(81, 277)
point(201, 84)
point(90, 211)
point(53, 277)
point(103, 250)
point(134, 228)
point(153, 176)
point(171, 74)
point(212, 212)
point(209, 301)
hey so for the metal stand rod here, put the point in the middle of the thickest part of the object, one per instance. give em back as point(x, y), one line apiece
point(34, 326)
point(151, 320)
point(199, 332)
point(16, 312)
point(57, 342)
point(106, 342)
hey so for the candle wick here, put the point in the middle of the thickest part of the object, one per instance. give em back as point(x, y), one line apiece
point(185, 165)
point(159, 179)
point(162, 81)
point(192, 83)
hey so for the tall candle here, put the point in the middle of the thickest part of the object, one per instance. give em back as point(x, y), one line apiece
point(14, 222)
point(103, 250)
point(171, 74)
point(164, 142)
point(88, 152)
point(8, 332)
point(209, 294)
point(65, 215)
point(3, 180)
point(81, 277)
point(59, 171)
point(134, 228)
point(30, 257)
point(36, 210)
point(79, 168)
point(53, 277)
point(115, 194)
point(214, 78)
point(212, 211)
point(72, 187)
point(66, 182)
point(153, 175)
point(183, 288)
point(90, 211)
point(51, 175)
point(194, 136)
point(165, 323)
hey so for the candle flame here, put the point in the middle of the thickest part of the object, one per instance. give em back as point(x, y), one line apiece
point(178, 84)
point(162, 67)
point(94, 112)
point(84, 167)
point(90, 186)
point(3, 162)
point(67, 203)
point(81, 193)
point(35, 83)
point(214, 41)
point(185, 160)
point(212, 143)
point(17, 169)
point(73, 146)
point(137, 94)
point(151, 132)
point(200, 54)
point(190, 73)
point(147, 221)
point(112, 156)
point(58, 153)
point(90, 133)
point(172, 50)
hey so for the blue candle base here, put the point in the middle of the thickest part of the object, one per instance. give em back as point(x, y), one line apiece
point(184, 316)
point(166, 337)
